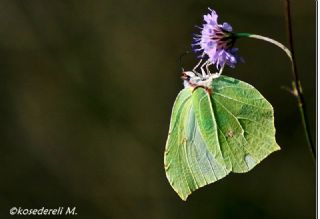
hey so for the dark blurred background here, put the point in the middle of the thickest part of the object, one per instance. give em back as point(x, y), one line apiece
point(86, 94)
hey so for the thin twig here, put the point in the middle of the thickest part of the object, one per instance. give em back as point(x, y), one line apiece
point(297, 88)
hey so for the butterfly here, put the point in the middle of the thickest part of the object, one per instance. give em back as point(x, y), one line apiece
point(218, 125)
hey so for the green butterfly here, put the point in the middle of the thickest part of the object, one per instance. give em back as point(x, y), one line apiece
point(222, 127)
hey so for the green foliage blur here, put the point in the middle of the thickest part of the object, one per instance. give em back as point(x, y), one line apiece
point(87, 89)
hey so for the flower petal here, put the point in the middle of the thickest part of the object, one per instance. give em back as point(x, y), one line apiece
point(215, 42)
point(227, 27)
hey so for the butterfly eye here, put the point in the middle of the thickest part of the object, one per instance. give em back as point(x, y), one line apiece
point(184, 76)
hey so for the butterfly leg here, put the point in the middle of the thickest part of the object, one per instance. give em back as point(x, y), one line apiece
point(197, 65)
point(204, 73)
point(217, 74)
point(221, 69)
point(207, 67)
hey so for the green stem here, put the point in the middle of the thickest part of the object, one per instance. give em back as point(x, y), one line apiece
point(296, 84)
point(267, 39)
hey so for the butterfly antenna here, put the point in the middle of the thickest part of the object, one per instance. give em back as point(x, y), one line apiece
point(180, 59)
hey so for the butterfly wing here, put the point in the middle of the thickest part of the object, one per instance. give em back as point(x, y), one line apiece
point(190, 161)
point(246, 123)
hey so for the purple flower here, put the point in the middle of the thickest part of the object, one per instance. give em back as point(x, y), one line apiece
point(216, 42)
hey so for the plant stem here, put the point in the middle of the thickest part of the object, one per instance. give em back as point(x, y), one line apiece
point(267, 39)
point(297, 88)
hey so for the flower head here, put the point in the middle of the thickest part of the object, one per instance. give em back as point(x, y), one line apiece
point(216, 41)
